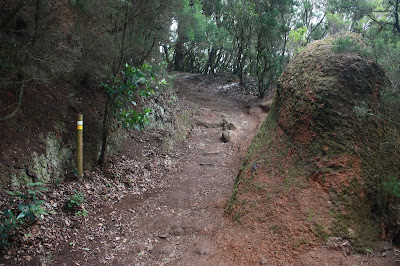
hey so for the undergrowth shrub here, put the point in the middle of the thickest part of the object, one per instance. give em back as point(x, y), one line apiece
point(25, 208)
point(75, 205)
point(76, 200)
point(128, 91)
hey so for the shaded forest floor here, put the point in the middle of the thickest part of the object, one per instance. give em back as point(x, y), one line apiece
point(174, 213)
point(176, 220)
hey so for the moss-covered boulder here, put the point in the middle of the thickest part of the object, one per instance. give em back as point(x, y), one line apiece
point(328, 101)
point(320, 92)
point(326, 136)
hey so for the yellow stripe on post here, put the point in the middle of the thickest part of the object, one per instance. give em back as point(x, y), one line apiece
point(79, 146)
point(79, 125)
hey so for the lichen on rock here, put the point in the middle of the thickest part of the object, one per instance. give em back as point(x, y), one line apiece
point(50, 167)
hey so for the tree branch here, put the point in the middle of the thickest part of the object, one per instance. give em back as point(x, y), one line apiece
point(21, 92)
point(314, 28)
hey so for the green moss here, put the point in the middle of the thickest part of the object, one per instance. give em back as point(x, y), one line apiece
point(320, 231)
point(347, 44)
point(263, 137)
point(300, 242)
point(48, 167)
point(310, 215)
point(20, 179)
point(261, 141)
point(353, 218)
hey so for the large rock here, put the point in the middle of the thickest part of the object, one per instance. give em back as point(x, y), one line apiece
point(325, 146)
point(329, 105)
point(320, 91)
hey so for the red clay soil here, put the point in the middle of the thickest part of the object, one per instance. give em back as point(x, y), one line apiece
point(282, 219)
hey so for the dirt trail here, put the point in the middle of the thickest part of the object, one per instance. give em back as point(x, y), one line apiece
point(177, 223)
point(183, 219)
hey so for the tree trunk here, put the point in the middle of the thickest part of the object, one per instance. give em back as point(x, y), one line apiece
point(106, 126)
point(217, 61)
point(179, 57)
point(228, 61)
point(122, 54)
point(21, 93)
point(208, 69)
point(179, 49)
point(396, 16)
point(166, 52)
point(109, 101)
point(240, 57)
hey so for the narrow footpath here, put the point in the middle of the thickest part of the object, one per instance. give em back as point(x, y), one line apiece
point(177, 224)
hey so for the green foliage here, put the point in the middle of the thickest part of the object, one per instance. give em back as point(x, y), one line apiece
point(74, 203)
point(362, 111)
point(130, 86)
point(298, 38)
point(8, 223)
point(298, 35)
point(349, 45)
point(76, 200)
point(197, 25)
point(27, 207)
point(82, 213)
point(392, 186)
point(272, 28)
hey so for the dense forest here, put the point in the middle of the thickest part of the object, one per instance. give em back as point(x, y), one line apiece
point(87, 42)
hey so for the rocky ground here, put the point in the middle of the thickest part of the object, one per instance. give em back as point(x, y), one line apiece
point(163, 206)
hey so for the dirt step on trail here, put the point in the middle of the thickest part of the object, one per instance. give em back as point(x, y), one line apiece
point(177, 224)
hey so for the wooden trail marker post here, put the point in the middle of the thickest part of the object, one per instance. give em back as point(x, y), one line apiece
point(79, 145)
